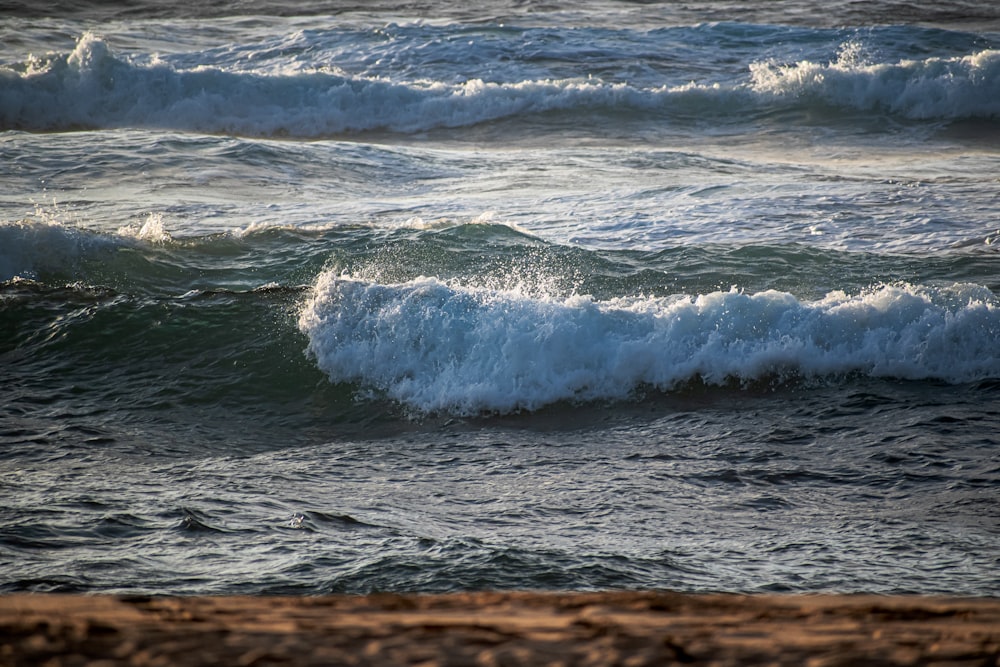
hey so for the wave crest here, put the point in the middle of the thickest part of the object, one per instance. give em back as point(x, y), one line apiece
point(44, 245)
point(933, 88)
point(92, 87)
point(443, 348)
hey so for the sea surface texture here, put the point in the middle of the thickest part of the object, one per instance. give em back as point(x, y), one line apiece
point(322, 297)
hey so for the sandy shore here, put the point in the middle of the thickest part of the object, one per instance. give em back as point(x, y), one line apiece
point(629, 629)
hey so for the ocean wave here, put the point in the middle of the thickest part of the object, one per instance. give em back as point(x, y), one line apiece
point(94, 88)
point(32, 247)
point(932, 88)
point(439, 347)
point(43, 244)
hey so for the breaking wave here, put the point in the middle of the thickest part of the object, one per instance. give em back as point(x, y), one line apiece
point(438, 347)
point(933, 88)
point(92, 87)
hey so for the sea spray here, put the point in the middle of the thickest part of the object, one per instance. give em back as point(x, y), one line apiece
point(437, 346)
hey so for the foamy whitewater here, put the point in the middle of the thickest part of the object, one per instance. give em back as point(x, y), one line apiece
point(336, 298)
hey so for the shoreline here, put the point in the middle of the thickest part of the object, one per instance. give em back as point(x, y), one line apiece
point(499, 628)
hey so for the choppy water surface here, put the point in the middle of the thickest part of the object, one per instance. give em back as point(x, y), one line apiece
point(600, 295)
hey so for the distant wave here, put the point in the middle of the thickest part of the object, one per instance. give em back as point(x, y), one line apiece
point(438, 347)
point(93, 88)
point(933, 88)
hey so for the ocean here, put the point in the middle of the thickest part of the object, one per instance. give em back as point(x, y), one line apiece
point(332, 297)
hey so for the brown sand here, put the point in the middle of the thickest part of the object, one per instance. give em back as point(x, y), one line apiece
point(629, 629)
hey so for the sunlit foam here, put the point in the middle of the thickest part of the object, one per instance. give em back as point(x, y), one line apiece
point(436, 346)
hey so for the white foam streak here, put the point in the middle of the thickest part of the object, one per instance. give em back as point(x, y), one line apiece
point(440, 347)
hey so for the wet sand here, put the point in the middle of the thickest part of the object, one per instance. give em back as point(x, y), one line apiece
point(494, 629)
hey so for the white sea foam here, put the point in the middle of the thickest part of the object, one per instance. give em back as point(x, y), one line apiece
point(440, 347)
point(487, 218)
point(151, 229)
point(958, 87)
point(93, 87)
